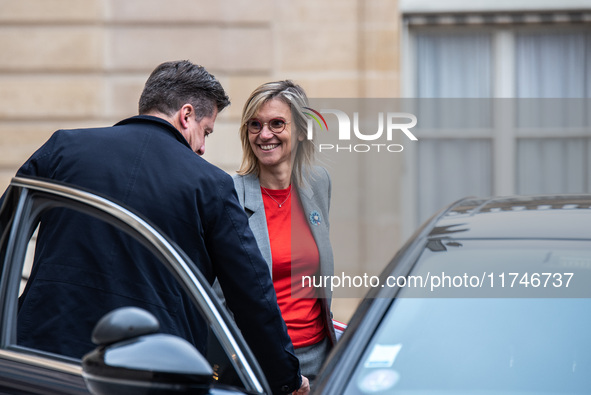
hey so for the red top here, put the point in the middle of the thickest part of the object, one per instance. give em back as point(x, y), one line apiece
point(302, 312)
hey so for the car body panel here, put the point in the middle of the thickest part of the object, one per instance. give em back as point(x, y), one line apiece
point(28, 374)
point(534, 217)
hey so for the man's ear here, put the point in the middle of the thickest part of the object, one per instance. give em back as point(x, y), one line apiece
point(185, 114)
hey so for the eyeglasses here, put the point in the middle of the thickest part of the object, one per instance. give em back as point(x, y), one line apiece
point(276, 125)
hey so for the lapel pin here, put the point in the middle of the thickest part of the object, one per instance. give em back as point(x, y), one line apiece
point(315, 218)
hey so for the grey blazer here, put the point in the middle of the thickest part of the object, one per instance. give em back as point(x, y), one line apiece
point(315, 198)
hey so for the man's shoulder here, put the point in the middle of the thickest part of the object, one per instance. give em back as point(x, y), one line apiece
point(71, 140)
point(79, 132)
point(204, 171)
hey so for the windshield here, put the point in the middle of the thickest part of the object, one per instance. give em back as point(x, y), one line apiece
point(485, 345)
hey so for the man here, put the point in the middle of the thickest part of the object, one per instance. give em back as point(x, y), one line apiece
point(84, 268)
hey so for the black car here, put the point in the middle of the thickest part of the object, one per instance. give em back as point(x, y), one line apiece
point(491, 296)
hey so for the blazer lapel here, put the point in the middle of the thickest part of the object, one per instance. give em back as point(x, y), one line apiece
point(254, 207)
point(318, 225)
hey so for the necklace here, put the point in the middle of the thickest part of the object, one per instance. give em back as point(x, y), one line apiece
point(279, 204)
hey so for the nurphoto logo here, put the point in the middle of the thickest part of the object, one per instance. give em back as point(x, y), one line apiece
point(389, 125)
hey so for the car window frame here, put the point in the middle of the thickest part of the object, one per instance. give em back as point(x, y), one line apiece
point(28, 198)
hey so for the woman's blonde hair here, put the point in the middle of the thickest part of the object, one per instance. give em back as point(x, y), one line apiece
point(294, 96)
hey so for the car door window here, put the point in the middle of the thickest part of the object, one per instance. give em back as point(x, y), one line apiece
point(99, 258)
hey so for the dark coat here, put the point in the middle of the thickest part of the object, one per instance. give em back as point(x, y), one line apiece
point(83, 268)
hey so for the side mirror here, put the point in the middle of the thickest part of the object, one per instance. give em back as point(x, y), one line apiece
point(131, 358)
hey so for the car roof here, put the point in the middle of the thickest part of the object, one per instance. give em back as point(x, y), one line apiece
point(517, 217)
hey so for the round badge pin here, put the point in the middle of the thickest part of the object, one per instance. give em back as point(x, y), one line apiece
point(315, 218)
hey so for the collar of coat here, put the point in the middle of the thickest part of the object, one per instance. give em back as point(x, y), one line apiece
point(149, 119)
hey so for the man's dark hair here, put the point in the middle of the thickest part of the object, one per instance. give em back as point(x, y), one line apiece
point(173, 84)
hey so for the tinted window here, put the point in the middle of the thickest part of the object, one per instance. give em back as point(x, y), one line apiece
point(482, 344)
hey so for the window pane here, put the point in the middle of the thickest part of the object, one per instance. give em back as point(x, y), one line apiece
point(553, 166)
point(553, 65)
point(453, 64)
point(555, 115)
point(450, 169)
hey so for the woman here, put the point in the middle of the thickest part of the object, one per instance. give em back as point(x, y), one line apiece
point(287, 200)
